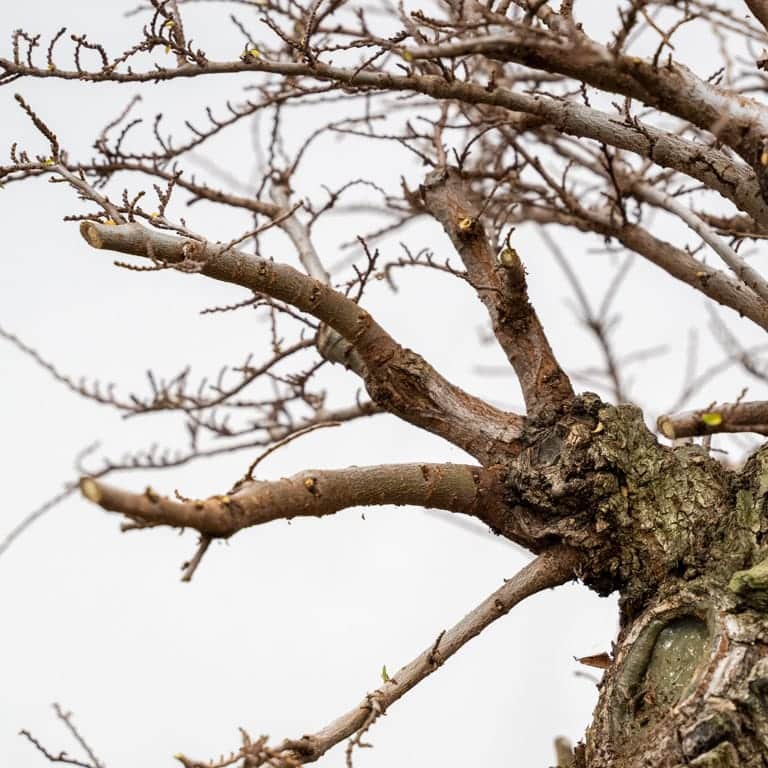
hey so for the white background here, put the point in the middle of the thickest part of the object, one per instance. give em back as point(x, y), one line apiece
point(287, 626)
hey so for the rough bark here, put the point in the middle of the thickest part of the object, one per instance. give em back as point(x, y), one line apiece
point(688, 683)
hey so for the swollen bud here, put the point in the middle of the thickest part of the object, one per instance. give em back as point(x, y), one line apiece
point(508, 257)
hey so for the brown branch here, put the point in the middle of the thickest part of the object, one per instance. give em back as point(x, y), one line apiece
point(550, 569)
point(66, 718)
point(723, 417)
point(501, 285)
point(713, 283)
point(712, 167)
point(759, 10)
point(398, 379)
point(739, 225)
point(61, 757)
point(747, 274)
point(672, 88)
point(149, 460)
point(190, 567)
point(313, 493)
point(329, 342)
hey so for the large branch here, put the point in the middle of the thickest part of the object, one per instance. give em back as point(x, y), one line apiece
point(759, 10)
point(713, 283)
point(712, 167)
point(313, 493)
point(502, 287)
point(747, 274)
point(550, 569)
point(672, 88)
point(398, 379)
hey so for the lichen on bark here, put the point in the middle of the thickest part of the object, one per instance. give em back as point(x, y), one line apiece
point(688, 682)
point(640, 512)
point(680, 536)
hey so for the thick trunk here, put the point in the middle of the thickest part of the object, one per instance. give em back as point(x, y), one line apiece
point(688, 684)
point(683, 540)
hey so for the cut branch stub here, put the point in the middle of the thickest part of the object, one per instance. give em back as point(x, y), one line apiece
point(501, 285)
point(723, 417)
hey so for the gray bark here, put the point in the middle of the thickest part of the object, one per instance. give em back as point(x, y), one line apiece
point(688, 684)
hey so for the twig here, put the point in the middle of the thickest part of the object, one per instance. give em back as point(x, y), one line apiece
point(66, 718)
point(190, 566)
point(550, 569)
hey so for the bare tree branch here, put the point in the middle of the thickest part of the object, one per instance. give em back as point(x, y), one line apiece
point(759, 10)
point(715, 284)
point(66, 718)
point(393, 371)
point(455, 487)
point(501, 285)
point(503, 90)
point(737, 265)
point(329, 342)
point(713, 167)
point(721, 417)
point(672, 87)
point(63, 757)
point(550, 569)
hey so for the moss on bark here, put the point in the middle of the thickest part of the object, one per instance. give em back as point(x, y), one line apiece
point(681, 537)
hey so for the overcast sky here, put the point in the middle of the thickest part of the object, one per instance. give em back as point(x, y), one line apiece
point(287, 626)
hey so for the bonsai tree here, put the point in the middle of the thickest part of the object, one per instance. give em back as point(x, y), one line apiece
point(519, 119)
